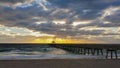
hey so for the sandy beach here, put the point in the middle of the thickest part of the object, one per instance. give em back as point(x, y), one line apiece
point(60, 63)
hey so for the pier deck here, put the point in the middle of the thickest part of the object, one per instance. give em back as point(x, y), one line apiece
point(94, 49)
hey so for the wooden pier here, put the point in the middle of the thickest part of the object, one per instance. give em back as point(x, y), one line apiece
point(110, 51)
point(91, 49)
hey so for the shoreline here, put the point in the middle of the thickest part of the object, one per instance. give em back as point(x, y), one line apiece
point(60, 63)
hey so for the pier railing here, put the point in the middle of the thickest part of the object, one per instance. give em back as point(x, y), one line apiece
point(94, 49)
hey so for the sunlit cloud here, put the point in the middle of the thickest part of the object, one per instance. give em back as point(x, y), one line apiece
point(109, 11)
point(76, 23)
point(44, 4)
point(59, 22)
point(80, 19)
point(40, 22)
point(15, 31)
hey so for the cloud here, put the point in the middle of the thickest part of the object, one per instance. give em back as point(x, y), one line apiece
point(85, 9)
point(17, 39)
point(98, 14)
point(13, 1)
point(15, 31)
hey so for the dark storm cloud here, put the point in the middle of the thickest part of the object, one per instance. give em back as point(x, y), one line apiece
point(109, 25)
point(113, 18)
point(86, 9)
point(83, 9)
point(19, 14)
point(52, 28)
point(99, 24)
point(13, 1)
point(84, 4)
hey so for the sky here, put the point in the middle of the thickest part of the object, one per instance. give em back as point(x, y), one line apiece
point(64, 21)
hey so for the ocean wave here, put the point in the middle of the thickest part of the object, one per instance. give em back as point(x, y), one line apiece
point(32, 51)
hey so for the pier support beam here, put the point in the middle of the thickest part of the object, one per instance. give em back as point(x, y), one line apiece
point(111, 53)
point(89, 50)
point(97, 51)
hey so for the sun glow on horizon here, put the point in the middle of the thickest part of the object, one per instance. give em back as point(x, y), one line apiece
point(60, 41)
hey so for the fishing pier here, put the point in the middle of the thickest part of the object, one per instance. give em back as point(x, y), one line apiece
point(110, 50)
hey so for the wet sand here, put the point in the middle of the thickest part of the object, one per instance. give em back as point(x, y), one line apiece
point(60, 63)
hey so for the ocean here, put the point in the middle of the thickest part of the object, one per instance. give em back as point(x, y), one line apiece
point(9, 51)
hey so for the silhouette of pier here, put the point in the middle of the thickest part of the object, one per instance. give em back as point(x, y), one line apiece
point(109, 50)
